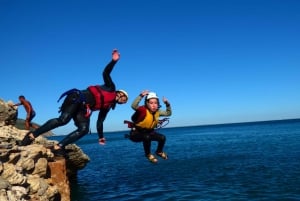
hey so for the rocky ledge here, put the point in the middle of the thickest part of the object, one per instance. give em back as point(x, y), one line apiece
point(33, 172)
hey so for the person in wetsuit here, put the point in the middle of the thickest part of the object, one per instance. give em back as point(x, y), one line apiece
point(145, 120)
point(79, 104)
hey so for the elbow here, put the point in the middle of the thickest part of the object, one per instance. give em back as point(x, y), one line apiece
point(133, 106)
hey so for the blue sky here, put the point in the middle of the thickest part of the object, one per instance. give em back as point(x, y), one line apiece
point(216, 61)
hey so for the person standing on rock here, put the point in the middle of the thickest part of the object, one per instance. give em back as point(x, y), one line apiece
point(29, 110)
point(79, 105)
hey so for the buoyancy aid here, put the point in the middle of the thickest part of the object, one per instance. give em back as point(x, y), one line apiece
point(103, 99)
point(150, 121)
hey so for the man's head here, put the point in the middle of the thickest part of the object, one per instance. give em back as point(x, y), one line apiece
point(21, 97)
point(122, 97)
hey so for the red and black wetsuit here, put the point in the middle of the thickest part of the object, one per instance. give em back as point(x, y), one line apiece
point(76, 106)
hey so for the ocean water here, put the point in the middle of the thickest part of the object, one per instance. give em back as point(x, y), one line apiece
point(247, 161)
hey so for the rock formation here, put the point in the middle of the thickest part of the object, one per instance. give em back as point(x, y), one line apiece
point(32, 172)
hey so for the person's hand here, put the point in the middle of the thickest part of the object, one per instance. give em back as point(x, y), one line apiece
point(144, 93)
point(115, 55)
point(102, 141)
point(10, 104)
point(166, 101)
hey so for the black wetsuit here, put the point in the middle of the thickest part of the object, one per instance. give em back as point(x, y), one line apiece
point(74, 107)
point(146, 137)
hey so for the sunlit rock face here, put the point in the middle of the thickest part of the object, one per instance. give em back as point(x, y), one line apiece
point(33, 172)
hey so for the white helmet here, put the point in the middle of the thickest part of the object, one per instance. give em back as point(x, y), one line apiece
point(151, 95)
point(124, 92)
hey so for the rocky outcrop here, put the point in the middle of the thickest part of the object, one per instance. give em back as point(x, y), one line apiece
point(8, 114)
point(33, 172)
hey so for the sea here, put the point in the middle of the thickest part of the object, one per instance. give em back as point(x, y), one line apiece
point(241, 161)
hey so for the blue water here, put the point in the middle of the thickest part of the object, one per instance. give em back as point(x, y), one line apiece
point(250, 161)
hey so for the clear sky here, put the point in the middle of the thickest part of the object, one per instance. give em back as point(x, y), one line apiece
point(216, 61)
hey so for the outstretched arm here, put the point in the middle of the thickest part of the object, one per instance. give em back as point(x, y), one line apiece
point(101, 117)
point(108, 83)
point(17, 104)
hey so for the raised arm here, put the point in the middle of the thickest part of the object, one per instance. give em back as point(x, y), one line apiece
point(108, 82)
point(168, 111)
point(137, 100)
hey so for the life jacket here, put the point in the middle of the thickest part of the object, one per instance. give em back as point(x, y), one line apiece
point(143, 118)
point(104, 99)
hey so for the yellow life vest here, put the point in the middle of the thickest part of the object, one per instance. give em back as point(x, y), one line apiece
point(150, 121)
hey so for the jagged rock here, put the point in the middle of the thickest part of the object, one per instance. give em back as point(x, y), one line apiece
point(77, 160)
point(4, 184)
point(32, 172)
point(17, 192)
point(41, 167)
point(8, 114)
point(11, 175)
